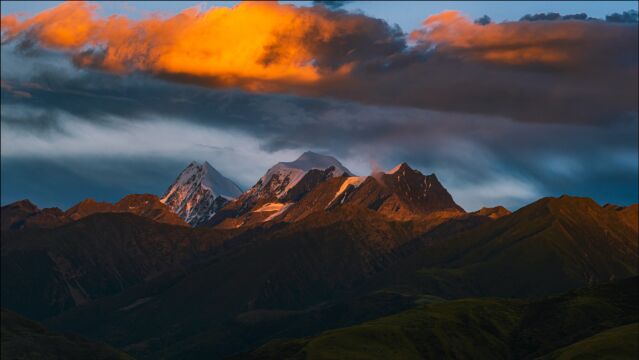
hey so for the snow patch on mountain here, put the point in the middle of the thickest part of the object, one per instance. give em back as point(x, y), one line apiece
point(395, 169)
point(279, 212)
point(354, 181)
point(268, 207)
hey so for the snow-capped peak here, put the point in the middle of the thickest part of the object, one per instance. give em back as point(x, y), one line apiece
point(219, 185)
point(199, 191)
point(291, 172)
point(310, 160)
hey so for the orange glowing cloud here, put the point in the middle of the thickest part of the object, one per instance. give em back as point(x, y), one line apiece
point(313, 51)
point(248, 45)
point(69, 25)
point(516, 43)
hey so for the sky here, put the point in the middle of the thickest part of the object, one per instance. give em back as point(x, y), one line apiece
point(105, 99)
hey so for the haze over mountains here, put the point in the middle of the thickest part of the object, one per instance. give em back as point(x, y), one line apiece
point(209, 271)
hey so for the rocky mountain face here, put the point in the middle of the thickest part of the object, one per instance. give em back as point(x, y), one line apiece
point(88, 207)
point(145, 205)
point(199, 192)
point(24, 214)
point(401, 194)
point(283, 184)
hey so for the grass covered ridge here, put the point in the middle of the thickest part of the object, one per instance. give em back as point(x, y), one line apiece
point(588, 321)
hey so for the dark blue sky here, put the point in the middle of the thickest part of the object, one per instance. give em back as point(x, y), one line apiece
point(503, 114)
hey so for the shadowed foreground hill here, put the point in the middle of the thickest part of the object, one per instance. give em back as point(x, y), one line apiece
point(162, 291)
point(290, 267)
point(46, 271)
point(589, 322)
point(618, 343)
point(547, 247)
point(24, 339)
point(551, 246)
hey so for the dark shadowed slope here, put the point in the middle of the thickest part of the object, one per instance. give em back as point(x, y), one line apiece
point(330, 254)
point(45, 271)
point(24, 339)
point(552, 245)
point(289, 267)
point(484, 328)
point(24, 214)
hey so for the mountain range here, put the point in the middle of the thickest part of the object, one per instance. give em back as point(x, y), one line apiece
point(344, 266)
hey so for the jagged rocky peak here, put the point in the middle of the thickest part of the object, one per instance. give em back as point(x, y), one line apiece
point(421, 192)
point(400, 168)
point(310, 160)
point(283, 176)
point(283, 185)
point(199, 192)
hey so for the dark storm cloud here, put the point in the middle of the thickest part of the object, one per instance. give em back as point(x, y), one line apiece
point(331, 4)
point(98, 98)
point(629, 17)
point(484, 20)
point(551, 16)
point(534, 158)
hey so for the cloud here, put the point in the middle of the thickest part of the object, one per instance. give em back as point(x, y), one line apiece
point(582, 71)
point(254, 45)
point(443, 99)
point(158, 139)
point(524, 42)
point(629, 17)
point(6, 86)
point(555, 16)
point(101, 116)
point(331, 4)
point(484, 20)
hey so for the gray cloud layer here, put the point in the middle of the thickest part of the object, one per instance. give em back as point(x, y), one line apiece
point(94, 117)
point(494, 132)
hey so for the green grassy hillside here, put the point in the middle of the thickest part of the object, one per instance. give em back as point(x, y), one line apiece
point(482, 328)
point(618, 343)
